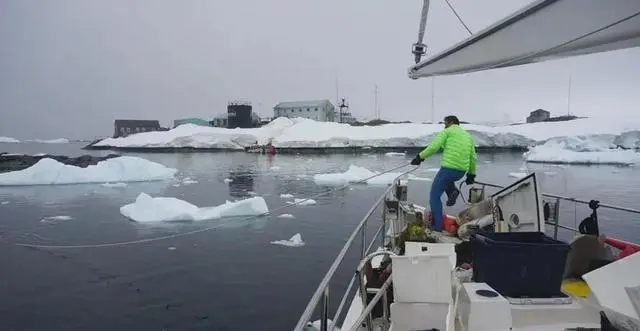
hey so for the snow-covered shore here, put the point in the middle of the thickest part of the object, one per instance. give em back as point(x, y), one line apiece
point(577, 136)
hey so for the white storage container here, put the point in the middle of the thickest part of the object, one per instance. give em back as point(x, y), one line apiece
point(419, 316)
point(422, 248)
point(424, 278)
point(483, 313)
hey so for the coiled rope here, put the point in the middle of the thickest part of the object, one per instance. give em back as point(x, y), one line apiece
point(189, 233)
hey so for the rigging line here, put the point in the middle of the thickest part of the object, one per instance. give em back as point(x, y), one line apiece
point(458, 16)
point(188, 233)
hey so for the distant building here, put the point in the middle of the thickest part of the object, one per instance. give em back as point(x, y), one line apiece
point(344, 115)
point(196, 121)
point(538, 115)
point(220, 121)
point(318, 110)
point(240, 115)
point(124, 128)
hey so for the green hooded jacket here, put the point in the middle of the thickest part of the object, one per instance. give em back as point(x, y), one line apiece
point(459, 149)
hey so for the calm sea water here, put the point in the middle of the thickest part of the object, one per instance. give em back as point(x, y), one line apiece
point(230, 278)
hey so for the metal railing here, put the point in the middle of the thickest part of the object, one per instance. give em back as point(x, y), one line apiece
point(321, 295)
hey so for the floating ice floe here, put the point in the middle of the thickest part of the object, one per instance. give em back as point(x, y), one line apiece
point(274, 168)
point(50, 141)
point(164, 209)
point(8, 140)
point(2, 203)
point(55, 219)
point(114, 185)
point(303, 202)
point(392, 154)
point(294, 241)
point(356, 174)
point(286, 196)
point(228, 180)
point(188, 181)
point(119, 169)
point(555, 152)
point(286, 216)
point(517, 174)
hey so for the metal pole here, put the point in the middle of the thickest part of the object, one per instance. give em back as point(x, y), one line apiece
point(363, 295)
point(325, 309)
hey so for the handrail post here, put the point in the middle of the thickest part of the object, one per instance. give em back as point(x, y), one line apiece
point(363, 294)
point(325, 309)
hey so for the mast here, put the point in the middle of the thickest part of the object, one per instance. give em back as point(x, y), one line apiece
point(569, 98)
point(375, 103)
point(433, 104)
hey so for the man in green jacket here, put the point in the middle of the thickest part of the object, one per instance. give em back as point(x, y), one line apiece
point(458, 158)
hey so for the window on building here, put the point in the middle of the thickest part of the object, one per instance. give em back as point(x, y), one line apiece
point(300, 110)
point(316, 109)
point(308, 109)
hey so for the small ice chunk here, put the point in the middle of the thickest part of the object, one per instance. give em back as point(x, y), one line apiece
point(176, 185)
point(274, 168)
point(286, 216)
point(517, 174)
point(550, 173)
point(303, 202)
point(188, 181)
point(171, 248)
point(615, 171)
point(522, 169)
point(252, 193)
point(4, 203)
point(294, 241)
point(286, 196)
point(228, 180)
point(163, 209)
point(114, 185)
point(54, 219)
point(356, 174)
point(392, 154)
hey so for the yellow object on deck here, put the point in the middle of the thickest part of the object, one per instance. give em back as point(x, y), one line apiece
point(576, 287)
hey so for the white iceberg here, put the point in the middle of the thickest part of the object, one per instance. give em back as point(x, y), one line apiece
point(228, 180)
point(119, 169)
point(286, 216)
point(294, 241)
point(355, 174)
point(517, 174)
point(578, 150)
point(163, 209)
point(274, 168)
point(8, 140)
point(2, 203)
point(51, 141)
point(286, 196)
point(188, 181)
point(392, 154)
point(114, 185)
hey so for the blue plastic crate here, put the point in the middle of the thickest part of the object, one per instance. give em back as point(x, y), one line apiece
point(519, 264)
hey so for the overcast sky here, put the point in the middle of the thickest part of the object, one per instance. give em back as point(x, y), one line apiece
point(68, 68)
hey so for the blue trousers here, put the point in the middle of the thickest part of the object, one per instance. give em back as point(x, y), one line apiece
point(445, 180)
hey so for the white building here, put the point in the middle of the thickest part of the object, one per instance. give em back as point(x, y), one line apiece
point(317, 110)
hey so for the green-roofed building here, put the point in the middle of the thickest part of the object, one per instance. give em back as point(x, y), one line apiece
point(317, 110)
point(196, 121)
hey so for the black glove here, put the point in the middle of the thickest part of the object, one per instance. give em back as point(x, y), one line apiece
point(471, 178)
point(417, 160)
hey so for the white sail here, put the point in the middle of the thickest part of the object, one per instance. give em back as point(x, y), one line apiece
point(544, 30)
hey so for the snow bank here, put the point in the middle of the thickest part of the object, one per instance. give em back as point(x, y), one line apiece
point(294, 241)
point(120, 169)
point(8, 140)
point(162, 209)
point(355, 174)
point(298, 132)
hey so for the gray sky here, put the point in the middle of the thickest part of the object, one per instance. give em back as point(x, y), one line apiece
point(68, 68)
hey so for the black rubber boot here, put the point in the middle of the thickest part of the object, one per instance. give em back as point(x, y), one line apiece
point(452, 197)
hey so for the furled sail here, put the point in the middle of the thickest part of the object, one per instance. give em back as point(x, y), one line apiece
point(544, 30)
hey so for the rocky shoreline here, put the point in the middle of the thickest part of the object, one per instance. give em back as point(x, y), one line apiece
point(15, 162)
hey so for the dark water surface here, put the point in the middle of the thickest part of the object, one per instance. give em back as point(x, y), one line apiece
point(230, 278)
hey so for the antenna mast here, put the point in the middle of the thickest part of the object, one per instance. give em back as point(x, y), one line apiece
point(375, 103)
